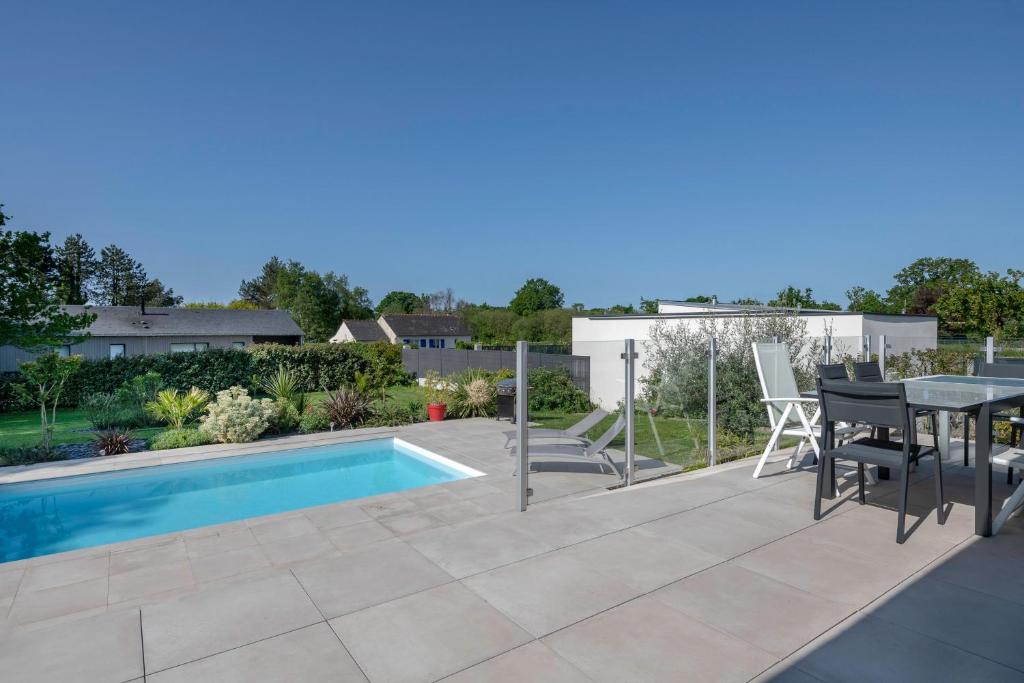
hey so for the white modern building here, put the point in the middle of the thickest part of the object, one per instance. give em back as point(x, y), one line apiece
point(601, 337)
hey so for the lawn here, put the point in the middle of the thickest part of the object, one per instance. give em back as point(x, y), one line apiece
point(22, 429)
point(672, 439)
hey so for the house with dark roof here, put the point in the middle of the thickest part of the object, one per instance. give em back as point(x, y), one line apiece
point(132, 331)
point(416, 330)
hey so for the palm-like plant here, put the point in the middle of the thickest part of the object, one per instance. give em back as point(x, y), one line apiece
point(177, 408)
point(283, 385)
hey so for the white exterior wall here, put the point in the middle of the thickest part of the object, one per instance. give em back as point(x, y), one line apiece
point(602, 339)
point(342, 335)
point(902, 334)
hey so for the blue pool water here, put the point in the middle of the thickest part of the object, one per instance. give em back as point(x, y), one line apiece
point(52, 516)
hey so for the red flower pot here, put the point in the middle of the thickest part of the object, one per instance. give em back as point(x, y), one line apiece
point(436, 411)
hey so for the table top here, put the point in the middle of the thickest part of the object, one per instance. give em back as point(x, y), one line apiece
point(956, 393)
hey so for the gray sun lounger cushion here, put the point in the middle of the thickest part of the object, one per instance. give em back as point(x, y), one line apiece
point(581, 452)
point(573, 433)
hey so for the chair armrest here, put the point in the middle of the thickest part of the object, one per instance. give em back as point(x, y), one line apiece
point(789, 400)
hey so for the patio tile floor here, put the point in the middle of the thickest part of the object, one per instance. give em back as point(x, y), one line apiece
point(706, 576)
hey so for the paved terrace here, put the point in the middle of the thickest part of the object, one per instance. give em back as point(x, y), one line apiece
point(707, 576)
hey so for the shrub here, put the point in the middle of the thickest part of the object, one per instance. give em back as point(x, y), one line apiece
point(179, 438)
point(316, 366)
point(473, 394)
point(13, 393)
point(105, 411)
point(114, 441)
point(283, 385)
point(177, 409)
point(315, 419)
point(235, 417)
point(212, 371)
point(390, 414)
point(286, 417)
point(347, 408)
point(28, 456)
point(920, 362)
point(552, 389)
point(677, 358)
point(138, 391)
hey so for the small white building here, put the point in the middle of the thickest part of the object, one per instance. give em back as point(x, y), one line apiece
point(415, 330)
point(601, 337)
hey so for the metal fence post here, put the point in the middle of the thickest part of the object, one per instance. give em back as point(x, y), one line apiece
point(630, 409)
point(828, 349)
point(522, 423)
point(881, 355)
point(866, 350)
point(990, 350)
point(712, 446)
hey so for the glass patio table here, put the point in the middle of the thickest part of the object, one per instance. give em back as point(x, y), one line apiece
point(980, 397)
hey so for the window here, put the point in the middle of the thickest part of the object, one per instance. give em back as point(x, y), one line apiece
point(442, 343)
point(423, 343)
point(189, 347)
point(433, 343)
point(64, 351)
point(116, 350)
point(238, 345)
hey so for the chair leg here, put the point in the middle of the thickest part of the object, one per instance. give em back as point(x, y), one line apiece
point(1009, 476)
point(967, 439)
point(860, 482)
point(821, 483)
point(833, 486)
point(904, 490)
point(939, 503)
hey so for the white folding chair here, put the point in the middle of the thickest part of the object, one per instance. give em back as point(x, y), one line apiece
point(785, 406)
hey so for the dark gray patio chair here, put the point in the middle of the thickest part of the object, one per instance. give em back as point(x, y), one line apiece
point(1010, 371)
point(833, 371)
point(871, 371)
point(878, 403)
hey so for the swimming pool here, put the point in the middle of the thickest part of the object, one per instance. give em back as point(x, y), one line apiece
point(55, 515)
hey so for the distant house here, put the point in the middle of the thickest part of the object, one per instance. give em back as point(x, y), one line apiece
point(128, 331)
point(417, 330)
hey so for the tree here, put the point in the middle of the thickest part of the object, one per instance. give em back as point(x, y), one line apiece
point(649, 306)
point(155, 294)
point(989, 304)
point(399, 302)
point(30, 314)
point(120, 279)
point(46, 377)
point(866, 301)
point(76, 268)
point(260, 290)
point(748, 301)
point(792, 297)
point(701, 299)
point(237, 304)
point(921, 284)
point(537, 294)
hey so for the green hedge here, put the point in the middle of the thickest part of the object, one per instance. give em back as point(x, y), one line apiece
point(317, 366)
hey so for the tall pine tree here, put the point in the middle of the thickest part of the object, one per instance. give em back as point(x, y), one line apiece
point(76, 268)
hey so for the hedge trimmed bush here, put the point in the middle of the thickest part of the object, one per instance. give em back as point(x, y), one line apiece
point(317, 366)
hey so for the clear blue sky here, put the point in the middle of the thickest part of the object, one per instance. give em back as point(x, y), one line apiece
point(618, 149)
